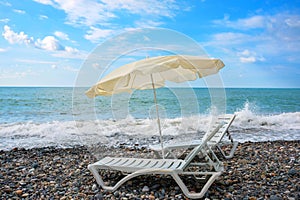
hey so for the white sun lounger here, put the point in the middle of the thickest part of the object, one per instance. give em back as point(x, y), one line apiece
point(211, 167)
point(215, 142)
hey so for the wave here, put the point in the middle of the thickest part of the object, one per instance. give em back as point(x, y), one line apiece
point(247, 118)
point(247, 126)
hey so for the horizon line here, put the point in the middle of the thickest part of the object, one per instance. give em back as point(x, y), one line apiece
point(69, 86)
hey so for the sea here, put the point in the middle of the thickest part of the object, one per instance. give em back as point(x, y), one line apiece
point(64, 116)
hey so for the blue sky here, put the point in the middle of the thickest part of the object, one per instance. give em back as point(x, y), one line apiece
point(45, 42)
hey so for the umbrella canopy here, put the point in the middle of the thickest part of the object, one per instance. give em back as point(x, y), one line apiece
point(137, 75)
point(151, 73)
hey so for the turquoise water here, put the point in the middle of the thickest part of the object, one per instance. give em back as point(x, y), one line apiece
point(55, 104)
point(37, 116)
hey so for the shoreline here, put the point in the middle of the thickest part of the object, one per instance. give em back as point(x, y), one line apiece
point(258, 170)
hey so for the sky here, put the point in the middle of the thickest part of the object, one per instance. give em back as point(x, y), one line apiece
point(46, 42)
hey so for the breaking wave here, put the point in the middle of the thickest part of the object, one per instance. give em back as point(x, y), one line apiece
point(247, 126)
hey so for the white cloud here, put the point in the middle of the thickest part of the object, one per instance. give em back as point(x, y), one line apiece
point(49, 43)
point(5, 4)
point(293, 21)
point(250, 59)
point(61, 35)
point(246, 52)
point(147, 23)
point(95, 34)
point(42, 17)
point(96, 66)
point(275, 37)
point(2, 50)
point(247, 56)
point(13, 37)
point(34, 61)
point(11, 74)
point(161, 8)
point(70, 52)
point(5, 20)
point(71, 69)
point(104, 13)
point(81, 12)
point(19, 11)
point(146, 38)
point(280, 23)
point(252, 22)
point(66, 68)
point(47, 2)
point(231, 38)
point(54, 66)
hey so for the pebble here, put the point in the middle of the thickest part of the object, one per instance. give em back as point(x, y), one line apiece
point(98, 197)
point(25, 195)
point(292, 172)
point(154, 187)
point(19, 192)
point(145, 189)
point(31, 171)
point(94, 187)
point(274, 197)
point(116, 194)
point(264, 170)
point(35, 165)
point(151, 197)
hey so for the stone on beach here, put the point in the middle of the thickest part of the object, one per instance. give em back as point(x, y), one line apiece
point(264, 170)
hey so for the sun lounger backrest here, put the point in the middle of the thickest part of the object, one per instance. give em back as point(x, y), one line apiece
point(215, 134)
point(188, 159)
point(225, 121)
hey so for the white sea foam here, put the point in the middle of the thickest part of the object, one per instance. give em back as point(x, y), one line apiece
point(253, 127)
point(247, 126)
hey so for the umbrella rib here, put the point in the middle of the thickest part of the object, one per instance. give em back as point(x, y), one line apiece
point(158, 119)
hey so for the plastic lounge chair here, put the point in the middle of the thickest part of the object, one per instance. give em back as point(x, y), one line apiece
point(208, 168)
point(215, 142)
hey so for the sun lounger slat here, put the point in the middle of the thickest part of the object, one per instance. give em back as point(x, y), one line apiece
point(175, 165)
point(179, 165)
point(115, 161)
point(124, 162)
point(136, 163)
point(107, 160)
point(130, 162)
point(167, 164)
point(144, 163)
point(155, 162)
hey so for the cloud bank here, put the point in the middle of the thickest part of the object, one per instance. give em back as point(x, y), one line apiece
point(259, 38)
point(48, 43)
point(101, 16)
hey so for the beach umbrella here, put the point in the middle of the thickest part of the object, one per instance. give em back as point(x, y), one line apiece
point(152, 73)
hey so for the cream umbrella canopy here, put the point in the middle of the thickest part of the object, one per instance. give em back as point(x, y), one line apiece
point(152, 73)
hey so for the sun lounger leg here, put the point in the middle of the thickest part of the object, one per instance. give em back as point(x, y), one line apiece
point(234, 146)
point(202, 192)
point(231, 153)
point(168, 153)
point(98, 178)
point(100, 182)
point(157, 155)
point(94, 170)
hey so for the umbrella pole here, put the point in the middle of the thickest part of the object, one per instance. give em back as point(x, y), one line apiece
point(158, 119)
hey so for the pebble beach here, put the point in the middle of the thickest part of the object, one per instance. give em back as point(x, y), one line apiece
point(259, 170)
